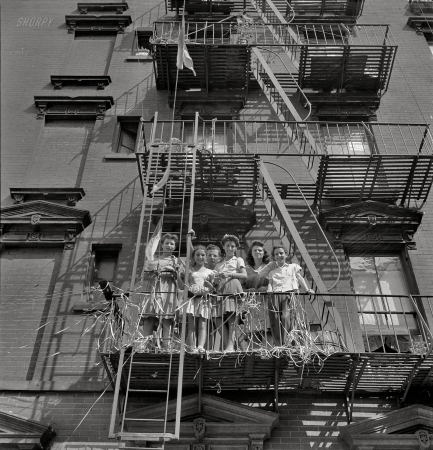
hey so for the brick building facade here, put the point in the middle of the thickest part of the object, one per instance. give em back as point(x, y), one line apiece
point(73, 88)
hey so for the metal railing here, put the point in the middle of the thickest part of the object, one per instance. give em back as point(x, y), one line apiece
point(274, 34)
point(289, 137)
point(377, 323)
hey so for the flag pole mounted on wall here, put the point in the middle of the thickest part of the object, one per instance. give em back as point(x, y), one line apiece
point(183, 57)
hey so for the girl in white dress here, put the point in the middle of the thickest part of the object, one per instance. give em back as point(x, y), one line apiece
point(198, 307)
point(231, 271)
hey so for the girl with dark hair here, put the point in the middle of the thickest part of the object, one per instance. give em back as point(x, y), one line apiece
point(257, 323)
point(160, 286)
point(231, 271)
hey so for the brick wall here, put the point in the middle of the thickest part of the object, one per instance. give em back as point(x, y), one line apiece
point(64, 360)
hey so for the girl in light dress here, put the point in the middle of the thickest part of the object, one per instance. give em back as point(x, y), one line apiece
point(198, 308)
point(230, 273)
point(160, 287)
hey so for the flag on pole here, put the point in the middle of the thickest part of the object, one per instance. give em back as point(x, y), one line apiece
point(183, 57)
point(153, 243)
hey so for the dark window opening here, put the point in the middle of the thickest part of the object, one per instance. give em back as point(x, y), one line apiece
point(142, 46)
point(104, 262)
point(127, 137)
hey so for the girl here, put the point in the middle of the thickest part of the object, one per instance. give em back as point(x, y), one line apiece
point(257, 259)
point(231, 271)
point(284, 278)
point(257, 323)
point(160, 285)
point(198, 309)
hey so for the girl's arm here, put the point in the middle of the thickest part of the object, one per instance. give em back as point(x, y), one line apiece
point(241, 274)
point(304, 283)
point(265, 271)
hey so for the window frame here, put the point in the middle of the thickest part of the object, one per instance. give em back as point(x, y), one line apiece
point(117, 137)
point(410, 283)
point(223, 121)
point(367, 138)
point(98, 251)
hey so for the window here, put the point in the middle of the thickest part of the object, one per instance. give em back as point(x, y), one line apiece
point(212, 136)
point(142, 46)
point(127, 137)
point(386, 314)
point(347, 139)
point(104, 265)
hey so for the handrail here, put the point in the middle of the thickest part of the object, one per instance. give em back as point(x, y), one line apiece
point(321, 305)
point(315, 219)
point(293, 78)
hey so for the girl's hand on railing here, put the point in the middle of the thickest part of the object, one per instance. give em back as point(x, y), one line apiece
point(263, 289)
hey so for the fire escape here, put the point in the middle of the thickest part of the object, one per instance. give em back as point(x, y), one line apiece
point(308, 58)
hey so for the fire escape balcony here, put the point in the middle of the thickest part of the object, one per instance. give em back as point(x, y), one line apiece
point(221, 62)
point(390, 333)
point(335, 161)
point(340, 63)
point(329, 63)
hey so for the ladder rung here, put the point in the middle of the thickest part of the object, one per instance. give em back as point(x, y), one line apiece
point(145, 436)
point(144, 420)
point(147, 390)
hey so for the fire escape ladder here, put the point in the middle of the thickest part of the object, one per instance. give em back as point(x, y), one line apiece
point(126, 420)
point(129, 378)
point(323, 306)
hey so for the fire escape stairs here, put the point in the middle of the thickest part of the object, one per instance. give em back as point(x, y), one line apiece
point(322, 305)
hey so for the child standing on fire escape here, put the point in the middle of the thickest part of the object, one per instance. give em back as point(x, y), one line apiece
point(284, 280)
point(161, 290)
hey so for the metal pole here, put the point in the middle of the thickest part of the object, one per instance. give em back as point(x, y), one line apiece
point(131, 288)
point(185, 292)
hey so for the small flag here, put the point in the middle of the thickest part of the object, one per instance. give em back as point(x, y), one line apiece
point(162, 182)
point(153, 243)
point(183, 57)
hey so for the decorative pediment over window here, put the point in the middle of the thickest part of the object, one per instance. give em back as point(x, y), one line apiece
point(19, 432)
point(41, 222)
point(69, 195)
point(211, 220)
point(371, 221)
point(218, 424)
point(106, 23)
point(406, 428)
point(79, 107)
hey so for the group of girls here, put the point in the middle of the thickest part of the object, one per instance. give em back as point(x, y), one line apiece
point(215, 285)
